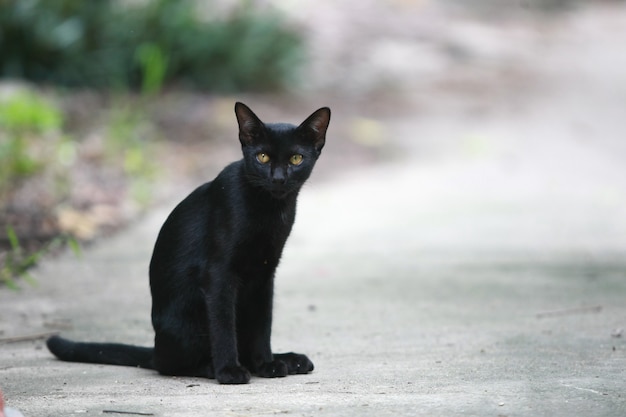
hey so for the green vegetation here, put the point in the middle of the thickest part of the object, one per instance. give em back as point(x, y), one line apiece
point(31, 144)
point(113, 46)
point(16, 261)
point(146, 45)
point(497, 8)
point(25, 120)
point(38, 167)
point(130, 144)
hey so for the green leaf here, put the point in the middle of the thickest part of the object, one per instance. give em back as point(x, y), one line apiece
point(29, 261)
point(6, 277)
point(13, 240)
point(74, 246)
point(29, 278)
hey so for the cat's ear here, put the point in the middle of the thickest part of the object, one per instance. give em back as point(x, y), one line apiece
point(317, 124)
point(250, 126)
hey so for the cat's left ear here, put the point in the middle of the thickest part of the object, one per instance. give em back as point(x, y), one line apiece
point(250, 126)
point(317, 124)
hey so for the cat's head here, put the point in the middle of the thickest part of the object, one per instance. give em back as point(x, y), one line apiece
point(279, 157)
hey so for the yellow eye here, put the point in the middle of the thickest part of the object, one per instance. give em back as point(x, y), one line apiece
point(296, 159)
point(263, 157)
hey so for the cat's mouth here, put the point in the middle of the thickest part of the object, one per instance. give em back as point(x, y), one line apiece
point(279, 192)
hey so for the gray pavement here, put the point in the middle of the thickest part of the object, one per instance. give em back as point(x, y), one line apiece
point(417, 288)
point(480, 271)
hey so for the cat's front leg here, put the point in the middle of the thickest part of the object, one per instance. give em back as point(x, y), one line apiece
point(236, 374)
point(273, 369)
point(221, 301)
point(297, 363)
point(264, 362)
point(255, 328)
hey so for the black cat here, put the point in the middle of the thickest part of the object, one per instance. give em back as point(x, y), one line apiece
point(212, 269)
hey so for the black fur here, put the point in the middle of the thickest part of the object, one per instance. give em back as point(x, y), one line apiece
point(212, 269)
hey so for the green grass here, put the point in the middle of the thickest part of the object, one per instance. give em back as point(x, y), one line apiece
point(26, 120)
point(16, 262)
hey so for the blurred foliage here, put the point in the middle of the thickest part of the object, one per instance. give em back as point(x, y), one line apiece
point(33, 142)
point(39, 168)
point(130, 144)
point(25, 119)
point(145, 45)
point(499, 7)
point(17, 261)
point(32, 145)
point(154, 67)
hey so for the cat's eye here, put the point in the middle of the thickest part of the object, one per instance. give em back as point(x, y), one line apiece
point(296, 159)
point(263, 157)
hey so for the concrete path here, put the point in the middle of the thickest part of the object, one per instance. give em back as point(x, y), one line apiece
point(480, 271)
point(456, 285)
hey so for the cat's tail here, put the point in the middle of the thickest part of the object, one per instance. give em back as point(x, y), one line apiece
point(103, 353)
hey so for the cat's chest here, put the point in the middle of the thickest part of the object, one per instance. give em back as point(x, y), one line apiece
point(267, 215)
point(260, 246)
point(269, 228)
point(250, 220)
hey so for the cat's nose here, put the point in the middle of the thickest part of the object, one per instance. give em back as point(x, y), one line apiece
point(279, 177)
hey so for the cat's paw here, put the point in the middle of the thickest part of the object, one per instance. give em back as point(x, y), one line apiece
point(296, 362)
point(274, 369)
point(233, 375)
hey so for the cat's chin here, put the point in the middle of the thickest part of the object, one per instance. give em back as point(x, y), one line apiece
point(280, 193)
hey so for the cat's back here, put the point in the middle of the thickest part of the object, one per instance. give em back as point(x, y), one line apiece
point(196, 231)
point(209, 201)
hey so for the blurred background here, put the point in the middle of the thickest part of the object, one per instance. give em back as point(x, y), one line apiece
point(111, 107)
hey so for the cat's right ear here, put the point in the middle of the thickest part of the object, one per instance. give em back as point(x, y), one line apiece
point(250, 126)
point(317, 124)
